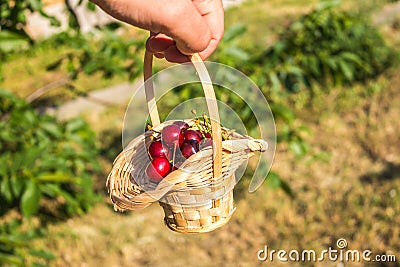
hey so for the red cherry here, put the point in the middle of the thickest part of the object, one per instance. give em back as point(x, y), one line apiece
point(204, 134)
point(189, 148)
point(158, 169)
point(182, 125)
point(156, 150)
point(199, 133)
point(171, 136)
point(192, 135)
point(208, 135)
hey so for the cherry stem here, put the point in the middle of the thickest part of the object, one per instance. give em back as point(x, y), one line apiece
point(173, 155)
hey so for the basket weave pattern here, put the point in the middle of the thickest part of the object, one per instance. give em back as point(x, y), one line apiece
point(190, 196)
point(198, 196)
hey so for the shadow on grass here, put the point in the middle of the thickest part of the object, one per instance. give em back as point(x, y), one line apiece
point(390, 172)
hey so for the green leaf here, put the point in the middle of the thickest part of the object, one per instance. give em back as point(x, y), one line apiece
point(304, 129)
point(52, 128)
point(278, 47)
point(38, 264)
point(287, 189)
point(234, 31)
point(299, 148)
point(283, 112)
point(43, 254)
point(58, 177)
point(236, 53)
point(90, 6)
point(29, 117)
point(72, 202)
point(36, 5)
point(273, 77)
point(55, 65)
point(11, 240)
point(5, 190)
point(30, 199)
point(49, 189)
point(11, 259)
point(347, 70)
point(10, 41)
point(90, 67)
point(75, 125)
point(352, 57)
point(52, 19)
point(293, 69)
point(17, 184)
point(313, 63)
point(274, 180)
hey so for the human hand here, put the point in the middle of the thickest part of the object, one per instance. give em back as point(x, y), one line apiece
point(179, 27)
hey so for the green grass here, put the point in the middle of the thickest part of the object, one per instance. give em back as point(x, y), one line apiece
point(265, 18)
point(25, 72)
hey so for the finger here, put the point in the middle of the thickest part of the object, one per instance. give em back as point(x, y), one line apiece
point(209, 50)
point(213, 13)
point(187, 27)
point(156, 54)
point(172, 54)
point(159, 43)
point(159, 55)
point(178, 19)
point(166, 50)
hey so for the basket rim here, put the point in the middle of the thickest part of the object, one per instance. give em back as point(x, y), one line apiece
point(123, 190)
point(228, 146)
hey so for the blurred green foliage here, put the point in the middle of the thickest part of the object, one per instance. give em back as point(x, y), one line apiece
point(13, 19)
point(108, 53)
point(46, 168)
point(15, 245)
point(43, 159)
point(327, 46)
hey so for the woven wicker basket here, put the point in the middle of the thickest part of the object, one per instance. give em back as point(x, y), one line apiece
point(197, 197)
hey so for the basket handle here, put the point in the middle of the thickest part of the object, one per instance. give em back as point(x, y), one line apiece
point(210, 100)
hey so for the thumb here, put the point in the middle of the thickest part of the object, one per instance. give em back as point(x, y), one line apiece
point(183, 23)
point(178, 19)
